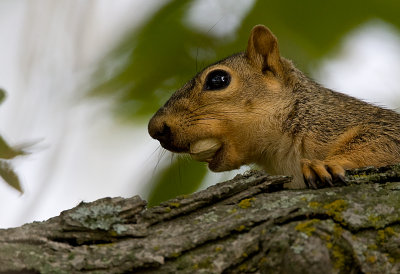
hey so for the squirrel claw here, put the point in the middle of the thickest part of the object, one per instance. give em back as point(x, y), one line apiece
point(342, 179)
point(328, 180)
point(310, 182)
point(309, 178)
point(318, 174)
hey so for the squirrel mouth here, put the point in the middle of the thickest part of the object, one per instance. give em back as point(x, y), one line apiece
point(173, 148)
point(205, 150)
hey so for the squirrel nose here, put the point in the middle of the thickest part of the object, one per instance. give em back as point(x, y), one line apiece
point(160, 131)
point(163, 134)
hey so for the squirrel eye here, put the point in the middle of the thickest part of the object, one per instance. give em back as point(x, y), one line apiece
point(217, 79)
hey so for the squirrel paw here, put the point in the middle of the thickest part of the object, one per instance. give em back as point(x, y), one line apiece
point(318, 174)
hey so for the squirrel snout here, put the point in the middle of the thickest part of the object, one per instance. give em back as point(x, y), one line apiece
point(160, 130)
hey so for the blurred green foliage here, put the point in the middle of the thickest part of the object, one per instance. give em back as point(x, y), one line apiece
point(162, 54)
point(2, 95)
point(183, 176)
point(7, 153)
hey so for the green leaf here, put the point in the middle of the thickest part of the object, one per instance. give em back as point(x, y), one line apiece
point(9, 176)
point(181, 177)
point(2, 95)
point(8, 152)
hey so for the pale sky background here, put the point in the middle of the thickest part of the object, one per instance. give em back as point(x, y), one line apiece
point(44, 71)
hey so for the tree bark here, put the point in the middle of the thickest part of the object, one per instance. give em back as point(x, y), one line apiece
point(247, 224)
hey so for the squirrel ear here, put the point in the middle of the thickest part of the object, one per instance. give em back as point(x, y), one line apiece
point(262, 50)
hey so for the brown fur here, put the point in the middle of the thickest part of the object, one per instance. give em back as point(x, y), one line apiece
point(273, 115)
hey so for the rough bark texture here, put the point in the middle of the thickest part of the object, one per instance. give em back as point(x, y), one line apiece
point(247, 224)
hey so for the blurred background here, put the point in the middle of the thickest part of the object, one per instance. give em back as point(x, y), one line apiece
point(83, 77)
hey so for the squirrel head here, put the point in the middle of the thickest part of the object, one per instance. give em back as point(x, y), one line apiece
point(223, 113)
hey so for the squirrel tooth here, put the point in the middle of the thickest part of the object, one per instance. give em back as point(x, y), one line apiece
point(205, 149)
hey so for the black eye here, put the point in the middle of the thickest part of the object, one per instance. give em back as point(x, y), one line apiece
point(217, 79)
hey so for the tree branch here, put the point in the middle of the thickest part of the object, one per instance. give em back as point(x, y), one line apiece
point(247, 224)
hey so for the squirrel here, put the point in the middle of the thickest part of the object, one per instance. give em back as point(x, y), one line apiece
point(257, 107)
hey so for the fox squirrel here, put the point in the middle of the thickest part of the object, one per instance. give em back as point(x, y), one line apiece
point(257, 107)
